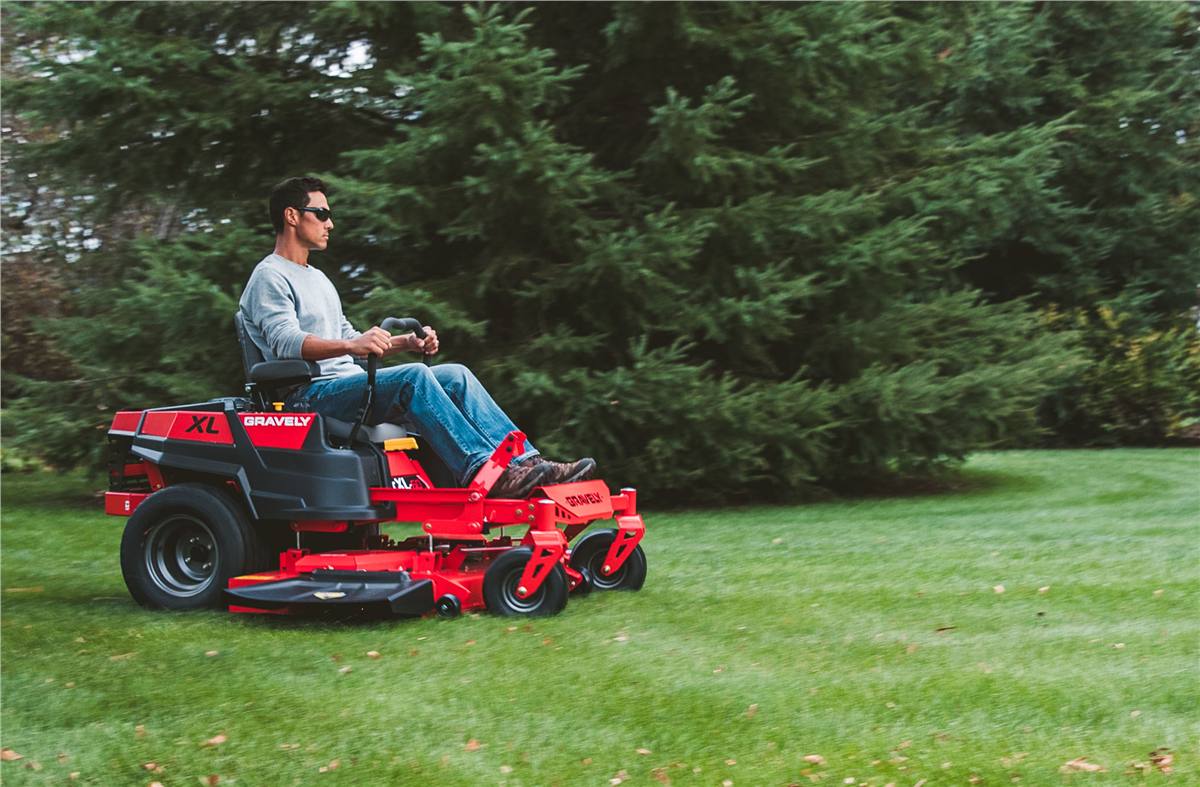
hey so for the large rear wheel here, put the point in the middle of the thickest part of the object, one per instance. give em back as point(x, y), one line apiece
point(181, 546)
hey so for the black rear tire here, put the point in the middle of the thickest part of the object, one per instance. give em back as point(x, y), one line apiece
point(183, 543)
point(588, 557)
point(503, 577)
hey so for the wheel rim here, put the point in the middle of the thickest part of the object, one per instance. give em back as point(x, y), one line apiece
point(601, 581)
point(508, 592)
point(181, 556)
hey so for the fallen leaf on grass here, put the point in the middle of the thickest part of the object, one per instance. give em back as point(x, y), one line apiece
point(470, 642)
point(211, 653)
point(586, 761)
point(815, 759)
point(643, 752)
point(212, 780)
point(921, 783)
point(62, 757)
point(73, 775)
point(122, 656)
point(731, 761)
point(139, 731)
point(1158, 592)
point(156, 784)
point(1044, 589)
point(752, 711)
point(718, 670)
point(80, 639)
point(34, 589)
point(1081, 764)
point(1119, 645)
point(660, 775)
point(372, 654)
point(216, 740)
point(974, 779)
point(1013, 759)
point(289, 746)
point(727, 783)
point(8, 755)
point(472, 745)
point(998, 588)
point(153, 767)
point(69, 684)
point(345, 670)
point(1133, 714)
point(776, 540)
point(620, 777)
point(1162, 759)
point(506, 769)
point(332, 766)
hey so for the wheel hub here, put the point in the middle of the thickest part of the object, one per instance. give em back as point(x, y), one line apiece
point(181, 555)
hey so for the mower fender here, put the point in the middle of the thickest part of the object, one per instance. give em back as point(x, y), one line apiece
point(630, 530)
point(548, 547)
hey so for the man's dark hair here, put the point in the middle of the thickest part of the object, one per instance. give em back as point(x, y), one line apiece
point(292, 193)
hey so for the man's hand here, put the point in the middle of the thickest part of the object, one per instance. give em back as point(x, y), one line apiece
point(376, 341)
point(410, 342)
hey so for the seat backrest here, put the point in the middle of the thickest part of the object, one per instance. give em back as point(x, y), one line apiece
point(250, 352)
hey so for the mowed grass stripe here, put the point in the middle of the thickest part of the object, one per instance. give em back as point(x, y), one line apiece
point(764, 634)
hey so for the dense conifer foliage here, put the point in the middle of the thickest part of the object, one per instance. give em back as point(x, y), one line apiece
point(731, 249)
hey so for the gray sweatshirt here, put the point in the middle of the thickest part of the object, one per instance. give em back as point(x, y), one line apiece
point(284, 302)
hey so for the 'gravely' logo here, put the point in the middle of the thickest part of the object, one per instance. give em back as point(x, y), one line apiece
point(277, 420)
point(587, 498)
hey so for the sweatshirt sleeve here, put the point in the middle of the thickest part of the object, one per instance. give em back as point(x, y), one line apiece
point(272, 307)
point(348, 331)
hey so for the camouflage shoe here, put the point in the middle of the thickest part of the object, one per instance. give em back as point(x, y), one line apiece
point(563, 472)
point(519, 480)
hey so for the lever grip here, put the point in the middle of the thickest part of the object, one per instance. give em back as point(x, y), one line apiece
point(403, 325)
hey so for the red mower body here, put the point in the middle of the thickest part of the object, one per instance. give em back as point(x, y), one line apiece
point(277, 512)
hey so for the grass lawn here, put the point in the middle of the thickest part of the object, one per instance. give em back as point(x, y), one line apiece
point(1048, 613)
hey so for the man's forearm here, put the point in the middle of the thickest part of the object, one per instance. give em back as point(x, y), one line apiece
point(318, 349)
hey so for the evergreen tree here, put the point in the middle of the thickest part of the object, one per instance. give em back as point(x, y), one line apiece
point(730, 248)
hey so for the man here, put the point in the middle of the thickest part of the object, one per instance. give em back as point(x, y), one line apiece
point(292, 310)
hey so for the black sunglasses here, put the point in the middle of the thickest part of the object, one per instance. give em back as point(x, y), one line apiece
point(322, 214)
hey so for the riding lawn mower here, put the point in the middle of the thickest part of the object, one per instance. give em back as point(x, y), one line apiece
point(247, 503)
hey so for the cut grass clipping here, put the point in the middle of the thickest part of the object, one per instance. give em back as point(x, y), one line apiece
point(1042, 627)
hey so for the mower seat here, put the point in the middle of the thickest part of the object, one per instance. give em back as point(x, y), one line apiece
point(272, 377)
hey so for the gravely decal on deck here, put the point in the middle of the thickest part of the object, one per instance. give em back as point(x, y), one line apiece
point(277, 430)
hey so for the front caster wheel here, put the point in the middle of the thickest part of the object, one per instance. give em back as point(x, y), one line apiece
point(588, 558)
point(503, 577)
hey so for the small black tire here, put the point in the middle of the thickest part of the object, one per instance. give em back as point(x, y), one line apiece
point(181, 546)
point(588, 558)
point(448, 606)
point(501, 580)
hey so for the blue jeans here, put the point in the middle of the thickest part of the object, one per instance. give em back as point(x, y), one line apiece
point(444, 404)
